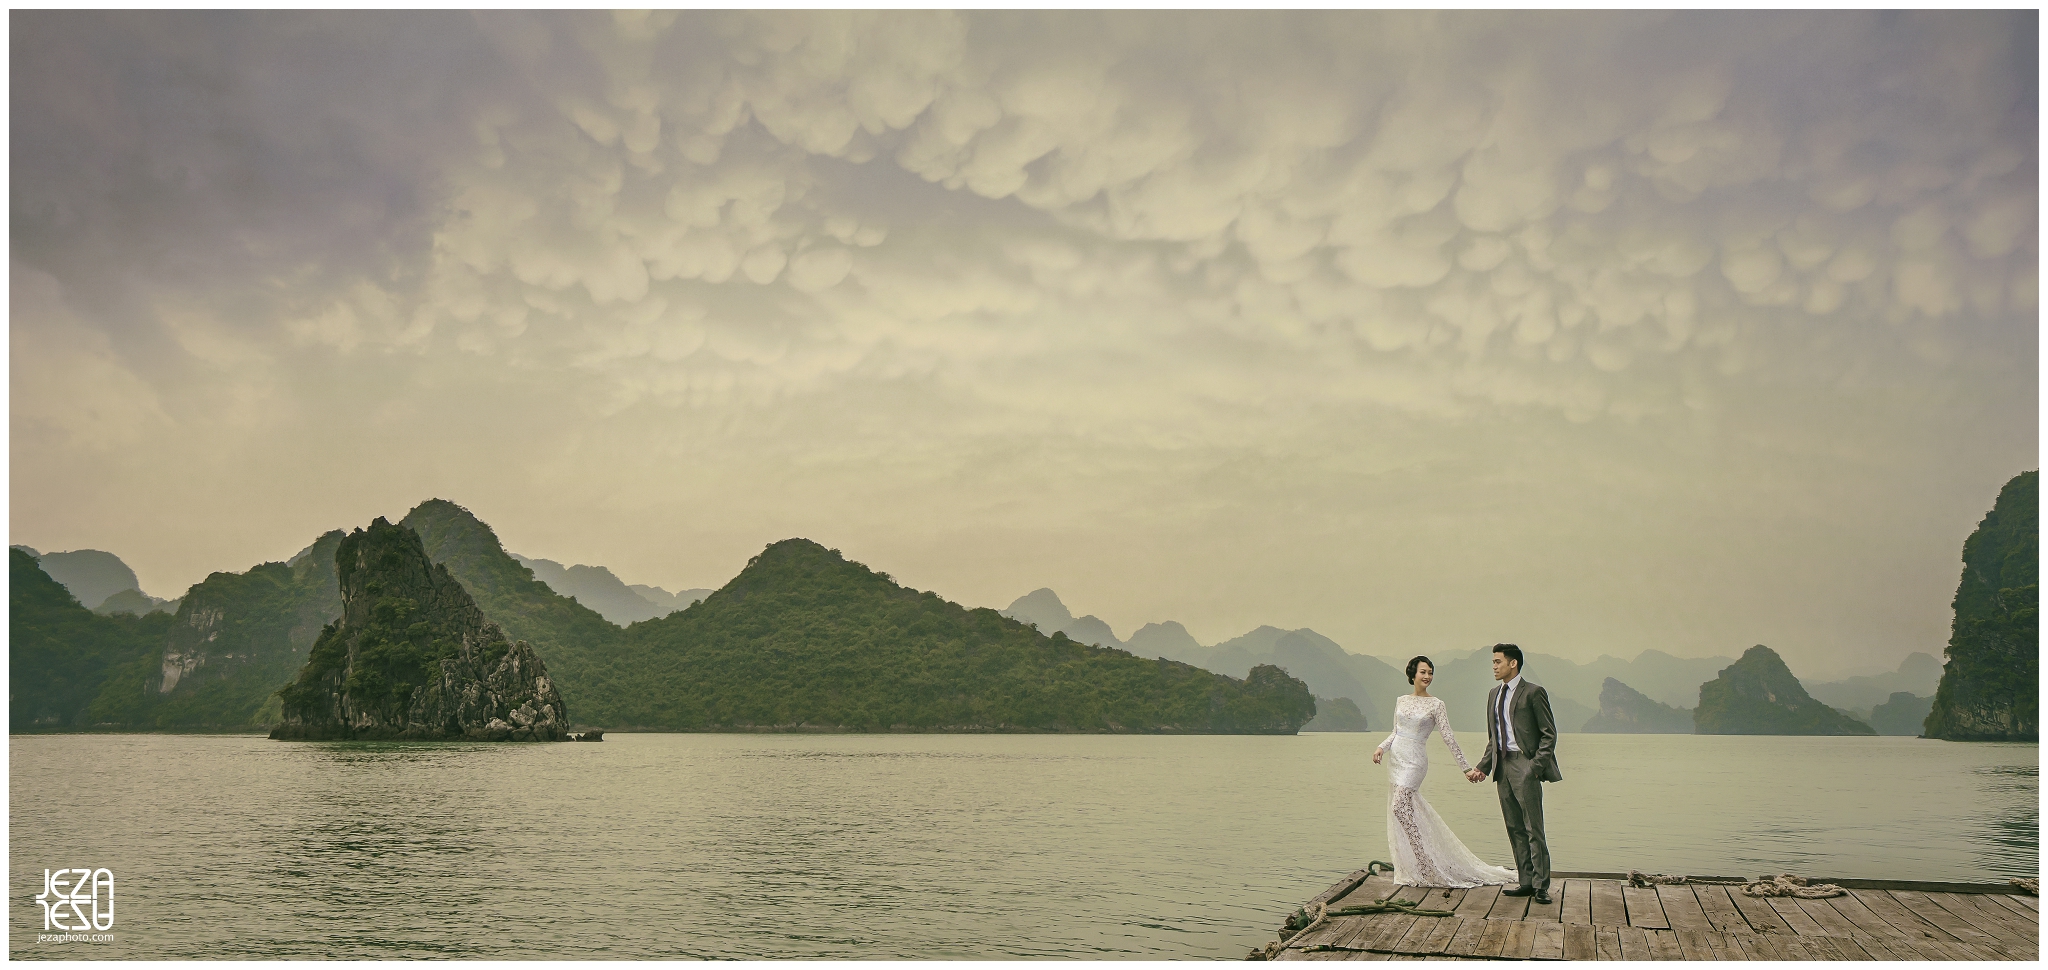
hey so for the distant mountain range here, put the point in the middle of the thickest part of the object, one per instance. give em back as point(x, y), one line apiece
point(100, 581)
point(597, 588)
point(801, 639)
point(1653, 693)
point(574, 613)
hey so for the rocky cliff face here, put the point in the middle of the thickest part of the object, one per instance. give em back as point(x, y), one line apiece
point(255, 626)
point(1625, 710)
point(412, 657)
point(1757, 694)
point(1990, 689)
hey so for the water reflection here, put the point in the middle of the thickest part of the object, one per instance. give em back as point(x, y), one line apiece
point(692, 846)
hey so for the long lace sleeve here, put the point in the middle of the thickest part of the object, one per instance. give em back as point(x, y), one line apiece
point(1396, 729)
point(1443, 727)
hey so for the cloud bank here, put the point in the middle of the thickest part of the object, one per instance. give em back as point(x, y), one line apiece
point(1265, 303)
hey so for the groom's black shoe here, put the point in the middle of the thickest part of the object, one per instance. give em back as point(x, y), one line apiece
point(1522, 891)
point(1542, 899)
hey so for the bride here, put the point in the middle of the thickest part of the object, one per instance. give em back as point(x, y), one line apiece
point(1426, 852)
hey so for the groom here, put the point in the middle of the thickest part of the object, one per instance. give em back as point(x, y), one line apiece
point(1521, 752)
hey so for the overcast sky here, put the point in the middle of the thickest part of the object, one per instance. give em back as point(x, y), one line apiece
point(1591, 332)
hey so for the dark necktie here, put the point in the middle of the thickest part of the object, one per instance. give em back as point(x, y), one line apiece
point(1502, 721)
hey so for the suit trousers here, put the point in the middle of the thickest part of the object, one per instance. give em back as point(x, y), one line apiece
point(1521, 804)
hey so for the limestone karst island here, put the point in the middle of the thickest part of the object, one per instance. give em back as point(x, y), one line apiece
point(429, 629)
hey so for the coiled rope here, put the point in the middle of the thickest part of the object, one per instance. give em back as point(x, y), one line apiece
point(1787, 884)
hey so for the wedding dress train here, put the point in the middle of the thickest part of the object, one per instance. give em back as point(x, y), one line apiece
point(1426, 851)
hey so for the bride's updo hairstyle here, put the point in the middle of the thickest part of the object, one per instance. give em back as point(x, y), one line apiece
point(1417, 662)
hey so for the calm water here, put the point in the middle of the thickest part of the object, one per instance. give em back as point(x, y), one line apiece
point(920, 846)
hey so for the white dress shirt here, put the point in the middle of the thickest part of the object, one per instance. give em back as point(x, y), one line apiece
point(1508, 698)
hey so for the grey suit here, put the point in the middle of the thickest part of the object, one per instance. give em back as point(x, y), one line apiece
point(1519, 776)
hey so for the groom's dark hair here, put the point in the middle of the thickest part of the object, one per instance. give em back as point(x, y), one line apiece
point(1416, 663)
point(1512, 652)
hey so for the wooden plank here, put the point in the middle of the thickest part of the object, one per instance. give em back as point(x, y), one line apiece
point(1521, 941)
point(1545, 912)
point(1756, 946)
point(1663, 945)
point(1440, 935)
point(1322, 932)
point(1578, 941)
point(1350, 929)
point(2013, 905)
point(1924, 948)
point(1724, 946)
point(1395, 929)
point(1466, 942)
point(1495, 937)
point(1991, 925)
point(1606, 943)
point(1719, 909)
point(1371, 927)
point(1876, 948)
point(1577, 896)
point(1789, 911)
point(1549, 943)
point(1368, 892)
point(2030, 902)
point(1824, 947)
point(1988, 915)
point(1682, 908)
point(1509, 907)
point(1793, 948)
point(1892, 911)
point(1339, 888)
point(1635, 945)
point(1477, 902)
point(1866, 922)
point(1855, 948)
point(1410, 894)
point(1925, 907)
point(1643, 908)
point(1413, 940)
point(1608, 909)
point(1692, 943)
point(1759, 914)
point(1831, 922)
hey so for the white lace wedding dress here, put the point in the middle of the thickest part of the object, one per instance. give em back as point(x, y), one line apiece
point(1426, 851)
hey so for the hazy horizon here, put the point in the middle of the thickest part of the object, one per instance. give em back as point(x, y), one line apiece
point(1594, 332)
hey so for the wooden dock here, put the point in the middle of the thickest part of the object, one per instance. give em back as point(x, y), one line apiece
point(1598, 916)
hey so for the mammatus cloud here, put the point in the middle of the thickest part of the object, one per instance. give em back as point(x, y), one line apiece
point(886, 253)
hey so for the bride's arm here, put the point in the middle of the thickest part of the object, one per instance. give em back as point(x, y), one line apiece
point(1390, 736)
point(1443, 726)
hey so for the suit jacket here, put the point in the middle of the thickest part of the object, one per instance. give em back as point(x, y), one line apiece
point(1535, 729)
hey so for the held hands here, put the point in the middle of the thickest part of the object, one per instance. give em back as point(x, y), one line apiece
point(1472, 776)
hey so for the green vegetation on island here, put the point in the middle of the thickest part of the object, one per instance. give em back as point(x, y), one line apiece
point(804, 639)
point(1757, 694)
point(412, 657)
point(61, 656)
point(1990, 687)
